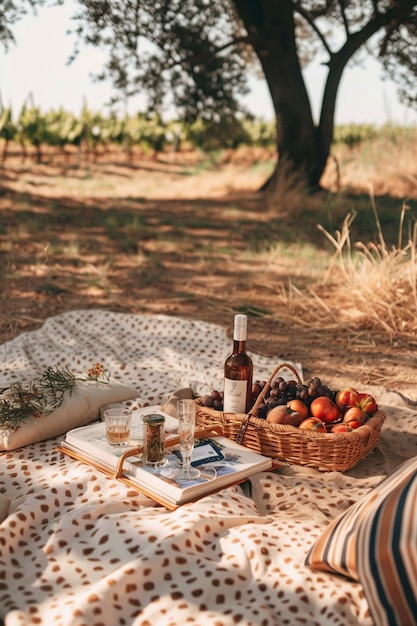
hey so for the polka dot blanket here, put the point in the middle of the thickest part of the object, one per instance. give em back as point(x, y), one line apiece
point(80, 549)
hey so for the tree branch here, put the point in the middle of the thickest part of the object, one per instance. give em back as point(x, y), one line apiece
point(310, 17)
point(399, 16)
point(342, 4)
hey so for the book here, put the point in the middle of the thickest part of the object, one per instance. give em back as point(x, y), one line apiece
point(221, 461)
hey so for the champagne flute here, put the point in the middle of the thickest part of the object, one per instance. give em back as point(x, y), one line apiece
point(186, 427)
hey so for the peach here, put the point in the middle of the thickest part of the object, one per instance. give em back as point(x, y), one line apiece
point(281, 414)
point(313, 423)
point(346, 397)
point(367, 403)
point(354, 417)
point(325, 409)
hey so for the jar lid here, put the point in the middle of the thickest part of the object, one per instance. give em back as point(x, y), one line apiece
point(153, 418)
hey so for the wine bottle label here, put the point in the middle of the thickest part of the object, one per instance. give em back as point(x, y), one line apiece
point(235, 396)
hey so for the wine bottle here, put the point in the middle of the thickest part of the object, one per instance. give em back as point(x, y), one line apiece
point(238, 371)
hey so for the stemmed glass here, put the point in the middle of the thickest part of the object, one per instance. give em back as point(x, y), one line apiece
point(186, 427)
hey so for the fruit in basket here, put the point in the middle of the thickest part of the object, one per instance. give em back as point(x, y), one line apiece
point(341, 427)
point(354, 417)
point(256, 389)
point(296, 400)
point(346, 397)
point(325, 409)
point(367, 403)
point(207, 401)
point(298, 406)
point(282, 391)
point(313, 388)
point(282, 414)
point(313, 423)
point(213, 400)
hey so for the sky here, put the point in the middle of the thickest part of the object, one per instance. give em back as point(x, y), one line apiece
point(36, 64)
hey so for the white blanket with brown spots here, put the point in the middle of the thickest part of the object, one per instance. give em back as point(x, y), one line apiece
point(80, 549)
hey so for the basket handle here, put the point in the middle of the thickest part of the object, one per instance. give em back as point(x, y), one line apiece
point(258, 401)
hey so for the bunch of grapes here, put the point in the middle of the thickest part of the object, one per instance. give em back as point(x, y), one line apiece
point(214, 400)
point(280, 391)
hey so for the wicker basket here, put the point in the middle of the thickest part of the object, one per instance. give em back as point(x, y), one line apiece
point(322, 451)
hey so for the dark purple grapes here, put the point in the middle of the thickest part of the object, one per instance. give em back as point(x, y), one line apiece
point(208, 401)
point(263, 410)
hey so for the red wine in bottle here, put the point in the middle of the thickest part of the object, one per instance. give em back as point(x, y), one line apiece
point(238, 372)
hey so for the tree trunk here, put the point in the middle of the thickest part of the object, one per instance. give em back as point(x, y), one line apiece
point(270, 26)
point(302, 146)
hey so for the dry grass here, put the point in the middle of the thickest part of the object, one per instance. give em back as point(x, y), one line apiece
point(380, 281)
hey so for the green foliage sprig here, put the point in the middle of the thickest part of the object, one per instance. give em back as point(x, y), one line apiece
point(42, 395)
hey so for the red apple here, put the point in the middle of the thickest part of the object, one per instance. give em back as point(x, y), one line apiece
point(325, 409)
point(313, 423)
point(346, 397)
point(354, 417)
point(340, 428)
point(367, 403)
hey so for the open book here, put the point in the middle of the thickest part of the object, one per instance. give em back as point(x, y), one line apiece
point(221, 461)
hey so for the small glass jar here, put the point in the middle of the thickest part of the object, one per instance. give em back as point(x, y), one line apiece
point(154, 440)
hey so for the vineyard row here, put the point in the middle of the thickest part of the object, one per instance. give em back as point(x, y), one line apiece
point(61, 129)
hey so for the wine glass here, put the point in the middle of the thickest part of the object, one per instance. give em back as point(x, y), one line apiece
point(186, 426)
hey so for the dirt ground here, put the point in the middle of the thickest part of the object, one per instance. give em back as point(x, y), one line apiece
point(171, 235)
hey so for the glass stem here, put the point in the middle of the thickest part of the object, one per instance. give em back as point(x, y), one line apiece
point(186, 457)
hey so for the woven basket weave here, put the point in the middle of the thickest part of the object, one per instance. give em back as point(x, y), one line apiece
point(322, 451)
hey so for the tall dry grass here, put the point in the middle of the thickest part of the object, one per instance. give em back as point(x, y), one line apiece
point(376, 283)
point(365, 287)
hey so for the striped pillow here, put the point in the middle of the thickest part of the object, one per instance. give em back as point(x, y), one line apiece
point(375, 543)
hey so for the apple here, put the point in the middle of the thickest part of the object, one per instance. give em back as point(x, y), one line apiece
point(354, 417)
point(281, 414)
point(298, 406)
point(367, 403)
point(346, 397)
point(325, 409)
point(340, 428)
point(313, 423)
point(353, 424)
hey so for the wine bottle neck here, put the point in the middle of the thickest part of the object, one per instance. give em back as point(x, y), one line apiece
point(239, 346)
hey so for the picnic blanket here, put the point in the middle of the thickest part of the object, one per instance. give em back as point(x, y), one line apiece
point(78, 548)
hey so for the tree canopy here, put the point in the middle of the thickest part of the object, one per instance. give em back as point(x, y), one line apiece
point(194, 55)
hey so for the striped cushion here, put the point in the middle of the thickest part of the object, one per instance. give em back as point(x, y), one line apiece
point(375, 542)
